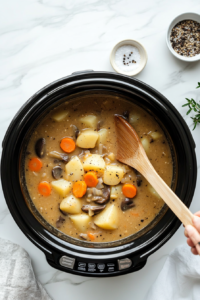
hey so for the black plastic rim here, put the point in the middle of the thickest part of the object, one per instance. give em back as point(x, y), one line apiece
point(52, 246)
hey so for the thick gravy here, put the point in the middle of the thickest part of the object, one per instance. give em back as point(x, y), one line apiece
point(129, 218)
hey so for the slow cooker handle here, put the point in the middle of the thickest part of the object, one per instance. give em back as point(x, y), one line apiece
point(81, 72)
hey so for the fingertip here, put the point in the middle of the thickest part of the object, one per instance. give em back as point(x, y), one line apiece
point(190, 243)
point(189, 229)
point(196, 220)
point(194, 251)
point(197, 213)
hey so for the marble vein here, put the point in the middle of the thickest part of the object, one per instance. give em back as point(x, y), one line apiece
point(3, 215)
point(62, 277)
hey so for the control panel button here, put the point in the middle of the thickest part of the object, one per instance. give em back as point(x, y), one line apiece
point(111, 269)
point(124, 263)
point(67, 262)
point(101, 267)
point(81, 264)
point(91, 265)
point(110, 265)
point(92, 270)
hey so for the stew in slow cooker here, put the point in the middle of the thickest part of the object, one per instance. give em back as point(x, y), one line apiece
point(74, 179)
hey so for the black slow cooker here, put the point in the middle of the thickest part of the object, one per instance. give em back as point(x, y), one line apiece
point(81, 257)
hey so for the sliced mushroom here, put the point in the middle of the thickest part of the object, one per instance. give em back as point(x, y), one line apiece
point(101, 201)
point(40, 148)
point(62, 212)
point(60, 221)
point(58, 155)
point(105, 197)
point(97, 192)
point(100, 184)
point(84, 236)
point(75, 130)
point(57, 172)
point(94, 209)
point(126, 115)
point(126, 204)
point(106, 192)
point(90, 212)
point(95, 198)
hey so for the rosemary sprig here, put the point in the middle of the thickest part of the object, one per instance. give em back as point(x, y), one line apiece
point(193, 105)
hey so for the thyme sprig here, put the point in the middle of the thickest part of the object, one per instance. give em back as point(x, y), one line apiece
point(193, 105)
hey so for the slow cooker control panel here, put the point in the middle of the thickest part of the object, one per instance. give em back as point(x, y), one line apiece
point(95, 267)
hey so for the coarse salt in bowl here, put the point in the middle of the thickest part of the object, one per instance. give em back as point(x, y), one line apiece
point(128, 57)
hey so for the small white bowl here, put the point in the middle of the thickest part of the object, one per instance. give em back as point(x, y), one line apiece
point(182, 17)
point(143, 57)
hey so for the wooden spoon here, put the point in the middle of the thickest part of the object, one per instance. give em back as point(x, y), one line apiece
point(131, 152)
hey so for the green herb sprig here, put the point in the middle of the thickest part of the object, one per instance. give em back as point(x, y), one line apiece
point(193, 105)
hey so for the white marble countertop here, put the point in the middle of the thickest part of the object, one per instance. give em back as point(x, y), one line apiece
point(44, 40)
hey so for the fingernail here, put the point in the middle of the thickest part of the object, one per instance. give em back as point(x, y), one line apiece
point(196, 219)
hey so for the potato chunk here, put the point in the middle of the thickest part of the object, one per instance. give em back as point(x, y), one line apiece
point(71, 205)
point(113, 175)
point(103, 133)
point(87, 139)
point(155, 135)
point(90, 121)
point(111, 156)
point(62, 187)
point(94, 162)
point(81, 221)
point(116, 191)
point(153, 191)
point(108, 218)
point(60, 115)
point(145, 144)
point(74, 169)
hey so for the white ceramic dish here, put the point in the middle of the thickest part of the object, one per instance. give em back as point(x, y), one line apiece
point(143, 57)
point(185, 16)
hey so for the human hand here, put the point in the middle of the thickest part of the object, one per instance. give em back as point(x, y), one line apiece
point(193, 234)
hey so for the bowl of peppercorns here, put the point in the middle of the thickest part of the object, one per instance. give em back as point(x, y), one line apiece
point(183, 37)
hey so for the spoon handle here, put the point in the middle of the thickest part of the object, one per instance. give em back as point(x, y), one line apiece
point(170, 198)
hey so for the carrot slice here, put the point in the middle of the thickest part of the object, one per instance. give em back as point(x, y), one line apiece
point(67, 145)
point(79, 189)
point(35, 164)
point(44, 188)
point(129, 190)
point(91, 179)
point(134, 214)
point(91, 236)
